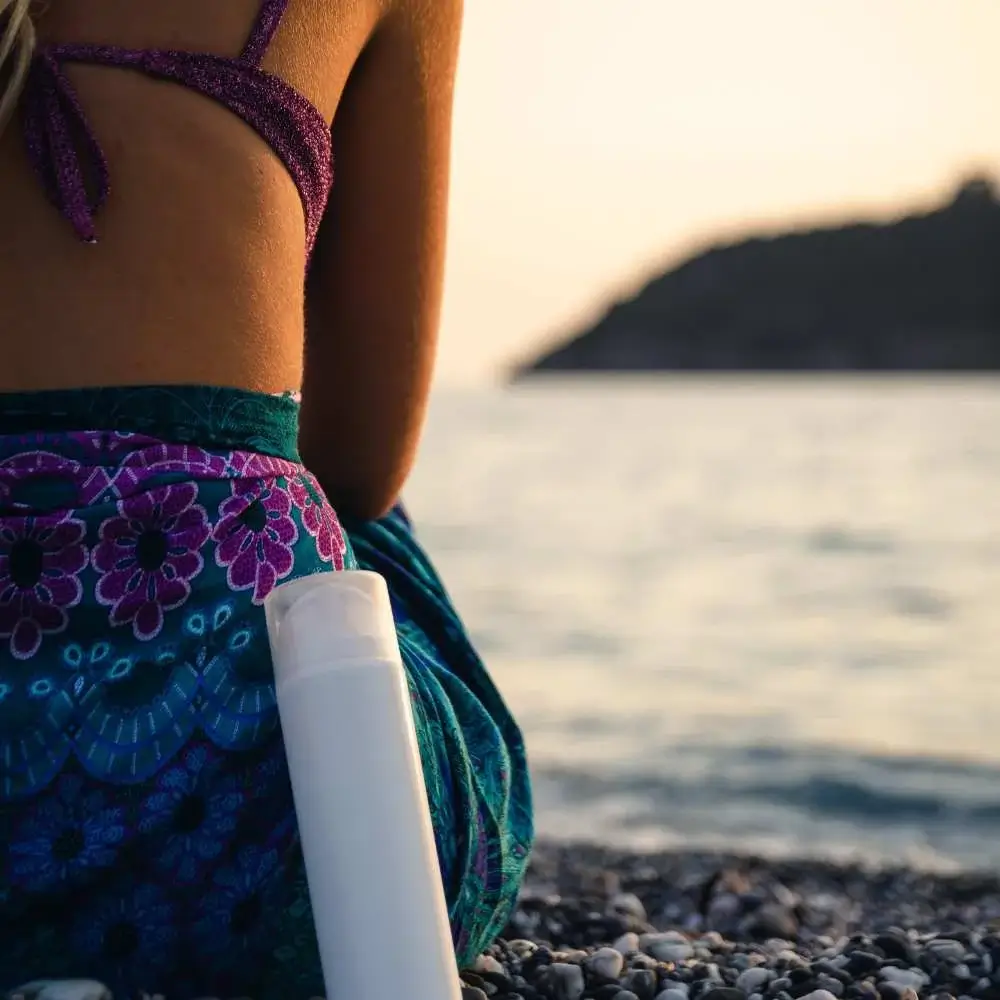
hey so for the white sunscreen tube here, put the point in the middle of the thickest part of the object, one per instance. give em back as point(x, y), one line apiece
point(372, 868)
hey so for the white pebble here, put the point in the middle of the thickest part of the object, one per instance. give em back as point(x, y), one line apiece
point(778, 946)
point(904, 977)
point(627, 943)
point(606, 962)
point(791, 958)
point(521, 947)
point(785, 896)
point(668, 946)
point(819, 995)
point(488, 964)
point(752, 980)
point(64, 989)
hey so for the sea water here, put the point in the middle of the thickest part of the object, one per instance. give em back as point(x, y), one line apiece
point(751, 612)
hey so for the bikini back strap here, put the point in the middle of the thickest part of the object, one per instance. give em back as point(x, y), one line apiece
point(263, 31)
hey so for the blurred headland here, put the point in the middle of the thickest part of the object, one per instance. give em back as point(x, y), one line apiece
point(919, 293)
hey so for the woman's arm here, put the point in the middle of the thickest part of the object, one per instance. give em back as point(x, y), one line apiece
point(373, 294)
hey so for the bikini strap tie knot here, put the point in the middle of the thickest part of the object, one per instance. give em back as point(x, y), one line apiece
point(60, 144)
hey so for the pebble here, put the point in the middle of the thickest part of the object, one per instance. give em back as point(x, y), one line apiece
point(642, 982)
point(565, 981)
point(489, 965)
point(947, 949)
point(63, 989)
point(772, 920)
point(605, 963)
point(724, 993)
point(903, 977)
point(753, 980)
point(669, 946)
point(896, 945)
point(628, 942)
point(673, 993)
point(861, 963)
point(890, 991)
point(627, 904)
point(827, 984)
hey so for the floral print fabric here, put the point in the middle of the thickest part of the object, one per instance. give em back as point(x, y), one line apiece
point(147, 831)
point(143, 786)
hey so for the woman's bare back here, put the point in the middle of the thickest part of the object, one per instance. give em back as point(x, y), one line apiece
point(198, 275)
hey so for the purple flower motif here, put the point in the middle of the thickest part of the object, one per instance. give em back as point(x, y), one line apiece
point(254, 536)
point(148, 555)
point(40, 562)
point(318, 518)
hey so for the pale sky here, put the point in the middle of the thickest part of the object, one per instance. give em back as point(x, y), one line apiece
point(598, 140)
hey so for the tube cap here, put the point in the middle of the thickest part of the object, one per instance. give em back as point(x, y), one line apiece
point(317, 622)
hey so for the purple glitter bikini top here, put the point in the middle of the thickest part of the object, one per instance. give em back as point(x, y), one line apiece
point(64, 152)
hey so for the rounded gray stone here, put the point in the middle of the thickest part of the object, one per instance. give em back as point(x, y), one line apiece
point(947, 948)
point(565, 981)
point(606, 963)
point(903, 977)
point(753, 980)
point(627, 904)
point(63, 989)
point(667, 946)
point(626, 943)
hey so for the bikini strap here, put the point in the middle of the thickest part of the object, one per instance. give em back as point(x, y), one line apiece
point(263, 31)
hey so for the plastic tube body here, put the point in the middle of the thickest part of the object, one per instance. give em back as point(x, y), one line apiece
point(367, 839)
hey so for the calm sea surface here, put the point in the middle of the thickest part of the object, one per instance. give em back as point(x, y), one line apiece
point(753, 613)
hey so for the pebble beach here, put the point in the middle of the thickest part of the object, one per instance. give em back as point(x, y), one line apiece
point(600, 924)
point(609, 925)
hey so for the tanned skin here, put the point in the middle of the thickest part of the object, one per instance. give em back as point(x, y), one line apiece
point(198, 274)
